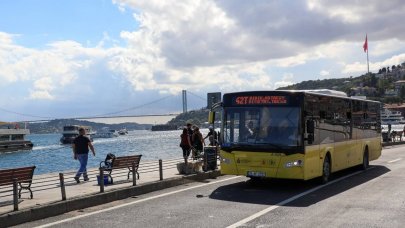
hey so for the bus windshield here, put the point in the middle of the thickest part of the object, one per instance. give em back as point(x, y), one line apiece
point(270, 127)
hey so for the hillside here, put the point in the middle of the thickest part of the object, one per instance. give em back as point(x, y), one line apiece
point(387, 86)
point(56, 126)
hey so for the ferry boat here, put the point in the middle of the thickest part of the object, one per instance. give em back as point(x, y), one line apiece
point(14, 139)
point(70, 132)
point(106, 133)
point(391, 117)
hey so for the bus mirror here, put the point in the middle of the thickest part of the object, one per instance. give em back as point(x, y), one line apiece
point(310, 126)
point(211, 117)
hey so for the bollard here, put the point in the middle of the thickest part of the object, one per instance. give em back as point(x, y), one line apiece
point(133, 175)
point(15, 196)
point(101, 180)
point(62, 186)
point(160, 169)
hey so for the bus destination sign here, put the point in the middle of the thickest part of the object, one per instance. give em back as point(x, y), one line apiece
point(260, 100)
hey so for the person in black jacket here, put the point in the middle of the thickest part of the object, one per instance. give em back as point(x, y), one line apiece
point(81, 145)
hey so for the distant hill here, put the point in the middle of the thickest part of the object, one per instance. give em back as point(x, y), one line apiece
point(340, 84)
point(56, 126)
point(196, 117)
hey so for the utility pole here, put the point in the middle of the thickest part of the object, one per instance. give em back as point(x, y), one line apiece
point(184, 96)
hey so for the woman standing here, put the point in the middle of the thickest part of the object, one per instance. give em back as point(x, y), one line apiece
point(185, 144)
point(198, 141)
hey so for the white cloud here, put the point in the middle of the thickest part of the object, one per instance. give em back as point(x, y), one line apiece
point(287, 80)
point(40, 95)
point(324, 73)
point(205, 45)
point(44, 84)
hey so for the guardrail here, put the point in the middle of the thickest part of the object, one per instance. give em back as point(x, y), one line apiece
point(61, 180)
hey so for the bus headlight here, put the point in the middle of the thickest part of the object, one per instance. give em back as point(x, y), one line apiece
point(294, 163)
point(226, 160)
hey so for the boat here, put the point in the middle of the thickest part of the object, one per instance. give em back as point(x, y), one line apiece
point(391, 117)
point(123, 131)
point(165, 127)
point(70, 132)
point(106, 133)
point(14, 140)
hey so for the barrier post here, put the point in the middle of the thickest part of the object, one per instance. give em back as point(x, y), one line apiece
point(101, 180)
point(133, 175)
point(15, 194)
point(62, 186)
point(160, 169)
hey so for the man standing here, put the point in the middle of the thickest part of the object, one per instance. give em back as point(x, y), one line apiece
point(81, 145)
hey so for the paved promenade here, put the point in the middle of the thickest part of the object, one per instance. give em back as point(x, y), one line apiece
point(46, 187)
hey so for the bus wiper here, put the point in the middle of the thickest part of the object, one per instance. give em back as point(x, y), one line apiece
point(278, 146)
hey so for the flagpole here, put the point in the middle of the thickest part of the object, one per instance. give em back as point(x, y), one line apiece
point(368, 66)
point(365, 47)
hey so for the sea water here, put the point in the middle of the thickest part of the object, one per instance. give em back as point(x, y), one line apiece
point(49, 156)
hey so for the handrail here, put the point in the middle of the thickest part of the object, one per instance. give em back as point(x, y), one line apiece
point(44, 182)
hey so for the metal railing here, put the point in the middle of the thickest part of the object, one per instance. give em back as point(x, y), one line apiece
point(61, 180)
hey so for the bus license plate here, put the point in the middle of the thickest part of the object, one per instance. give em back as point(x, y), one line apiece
point(256, 174)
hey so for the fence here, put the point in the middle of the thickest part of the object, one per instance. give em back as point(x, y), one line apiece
point(62, 180)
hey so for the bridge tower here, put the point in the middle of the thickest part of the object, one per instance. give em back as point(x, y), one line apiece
point(184, 92)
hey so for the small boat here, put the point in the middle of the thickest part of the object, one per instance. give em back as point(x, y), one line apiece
point(70, 132)
point(106, 133)
point(123, 131)
point(14, 140)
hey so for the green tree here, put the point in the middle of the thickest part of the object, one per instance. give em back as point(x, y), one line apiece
point(402, 92)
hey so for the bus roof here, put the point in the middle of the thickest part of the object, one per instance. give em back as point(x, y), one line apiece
point(322, 92)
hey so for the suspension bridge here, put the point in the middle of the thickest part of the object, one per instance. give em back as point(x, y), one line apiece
point(128, 113)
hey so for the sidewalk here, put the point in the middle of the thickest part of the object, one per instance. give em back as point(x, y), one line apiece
point(51, 193)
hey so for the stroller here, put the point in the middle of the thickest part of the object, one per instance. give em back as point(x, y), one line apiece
point(108, 161)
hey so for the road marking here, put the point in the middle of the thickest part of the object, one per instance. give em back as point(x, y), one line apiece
point(398, 159)
point(134, 202)
point(267, 210)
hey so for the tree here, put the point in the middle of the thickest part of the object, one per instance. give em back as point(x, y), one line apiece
point(379, 71)
point(393, 67)
point(402, 92)
point(384, 70)
point(373, 81)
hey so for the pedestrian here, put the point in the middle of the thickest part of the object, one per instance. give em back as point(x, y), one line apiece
point(81, 145)
point(212, 136)
point(198, 142)
point(185, 144)
point(190, 132)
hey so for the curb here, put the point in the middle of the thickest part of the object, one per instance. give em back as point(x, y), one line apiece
point(94, 199)
point(393, 143)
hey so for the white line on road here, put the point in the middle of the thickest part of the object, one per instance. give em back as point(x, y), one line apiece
point(134, 202)
point(398, 159)
point(266, 210)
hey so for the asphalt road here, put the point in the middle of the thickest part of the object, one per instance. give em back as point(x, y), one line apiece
point(372, 198)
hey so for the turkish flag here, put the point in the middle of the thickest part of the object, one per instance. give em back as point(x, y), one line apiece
point(365, 45)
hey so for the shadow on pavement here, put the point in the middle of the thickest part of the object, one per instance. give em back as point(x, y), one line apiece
point(272, 192)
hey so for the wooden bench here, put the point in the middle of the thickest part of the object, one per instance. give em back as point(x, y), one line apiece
point(22, 175)
point(123, 162)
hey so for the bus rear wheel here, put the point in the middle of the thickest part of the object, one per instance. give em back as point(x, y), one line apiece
point(325, 170)
point(366, 161)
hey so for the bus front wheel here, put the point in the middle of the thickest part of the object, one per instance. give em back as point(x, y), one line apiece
point(325, 170)
point(366, 161)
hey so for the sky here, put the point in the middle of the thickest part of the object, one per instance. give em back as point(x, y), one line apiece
point(74, 58)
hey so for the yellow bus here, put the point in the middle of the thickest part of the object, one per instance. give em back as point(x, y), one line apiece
point(297, 134)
